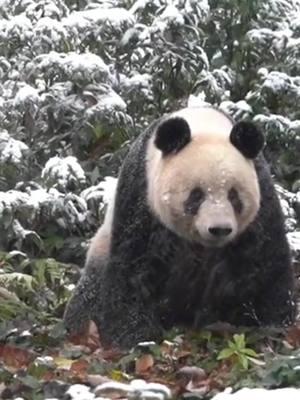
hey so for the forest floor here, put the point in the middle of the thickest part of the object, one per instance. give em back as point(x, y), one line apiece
point(39, 361)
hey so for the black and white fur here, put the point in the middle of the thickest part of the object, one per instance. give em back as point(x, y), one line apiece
point(161, 261)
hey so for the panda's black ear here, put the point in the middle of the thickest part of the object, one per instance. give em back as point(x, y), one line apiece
point(172, 135)
point(247, 138)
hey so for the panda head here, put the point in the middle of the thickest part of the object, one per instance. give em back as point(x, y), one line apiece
point(202, 183)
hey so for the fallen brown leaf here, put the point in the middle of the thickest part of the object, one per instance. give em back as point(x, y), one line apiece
point(89, 337)
point(293, 335)
point(16, 357)
point(79, 368)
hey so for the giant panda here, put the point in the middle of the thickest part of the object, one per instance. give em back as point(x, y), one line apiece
point(194, 235)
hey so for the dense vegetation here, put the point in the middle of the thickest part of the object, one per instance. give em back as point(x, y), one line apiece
point(79, 80)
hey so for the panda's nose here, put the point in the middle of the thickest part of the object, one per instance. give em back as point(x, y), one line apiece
point(220, 231)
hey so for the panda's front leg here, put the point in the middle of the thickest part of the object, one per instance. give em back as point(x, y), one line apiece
point(79, 309)
point(126, 314)
point(219, 295)
point(276, 304)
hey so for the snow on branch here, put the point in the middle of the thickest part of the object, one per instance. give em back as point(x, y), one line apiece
point(83, 67)
point(279, 128)
point(98, 196)
point(12, 151)
point(63, 174)
point(119, 19)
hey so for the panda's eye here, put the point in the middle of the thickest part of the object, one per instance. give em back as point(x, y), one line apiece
point(192, 203)
point(235, 200)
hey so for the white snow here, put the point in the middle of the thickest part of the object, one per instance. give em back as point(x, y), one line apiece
point(276, 81)
point(286, 200)
point(69, 211)
point(117, 17)
point(26, 333)
point(45, 8)
point(141, 4)
point(80, 392)
point(277, 125)
point(103, 193)
point(196, 101)
point(111, 101)
point(11, 200)
point(279, 83)
point(108, 187)
point(54, 30)
point(76, 20)
point(45, 360)
point(146, 344)
point(201, 6)
point(266, 36)
point(283, 8)
point(26, 95)
point(39, 197)
point(238, 110)
point(294, 241)
point(138, 82)
point(77, 63)
point(17, 26)
point(63, 171)
point(107, 105)
point(76, 66)
point(262, 72)
point(171, 16)
point(136, 389)
point(11, 150)
point(259, 394)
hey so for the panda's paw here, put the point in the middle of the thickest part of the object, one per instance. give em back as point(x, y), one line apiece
point(128, 333)
point(76, 316)
point(129, 339)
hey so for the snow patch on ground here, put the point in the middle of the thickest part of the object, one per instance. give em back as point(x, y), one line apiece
point(259, 394)
point(80, 392)
point(137, 389)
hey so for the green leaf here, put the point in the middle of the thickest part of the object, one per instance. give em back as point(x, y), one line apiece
point(239, 340)
point(117, 375)
point(232, 345)
point(249, 352)
point(225, 353)
point(17, 278)
point(244, 361)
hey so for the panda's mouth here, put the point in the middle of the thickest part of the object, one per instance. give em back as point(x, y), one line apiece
point(211, 242)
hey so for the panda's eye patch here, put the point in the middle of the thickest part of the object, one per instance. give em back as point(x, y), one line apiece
point(192, 203)
point(235, 200)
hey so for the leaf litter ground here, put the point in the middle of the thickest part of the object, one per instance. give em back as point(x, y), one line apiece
point(38, 360)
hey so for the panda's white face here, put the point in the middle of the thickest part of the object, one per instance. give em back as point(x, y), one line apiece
point(205, 190)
